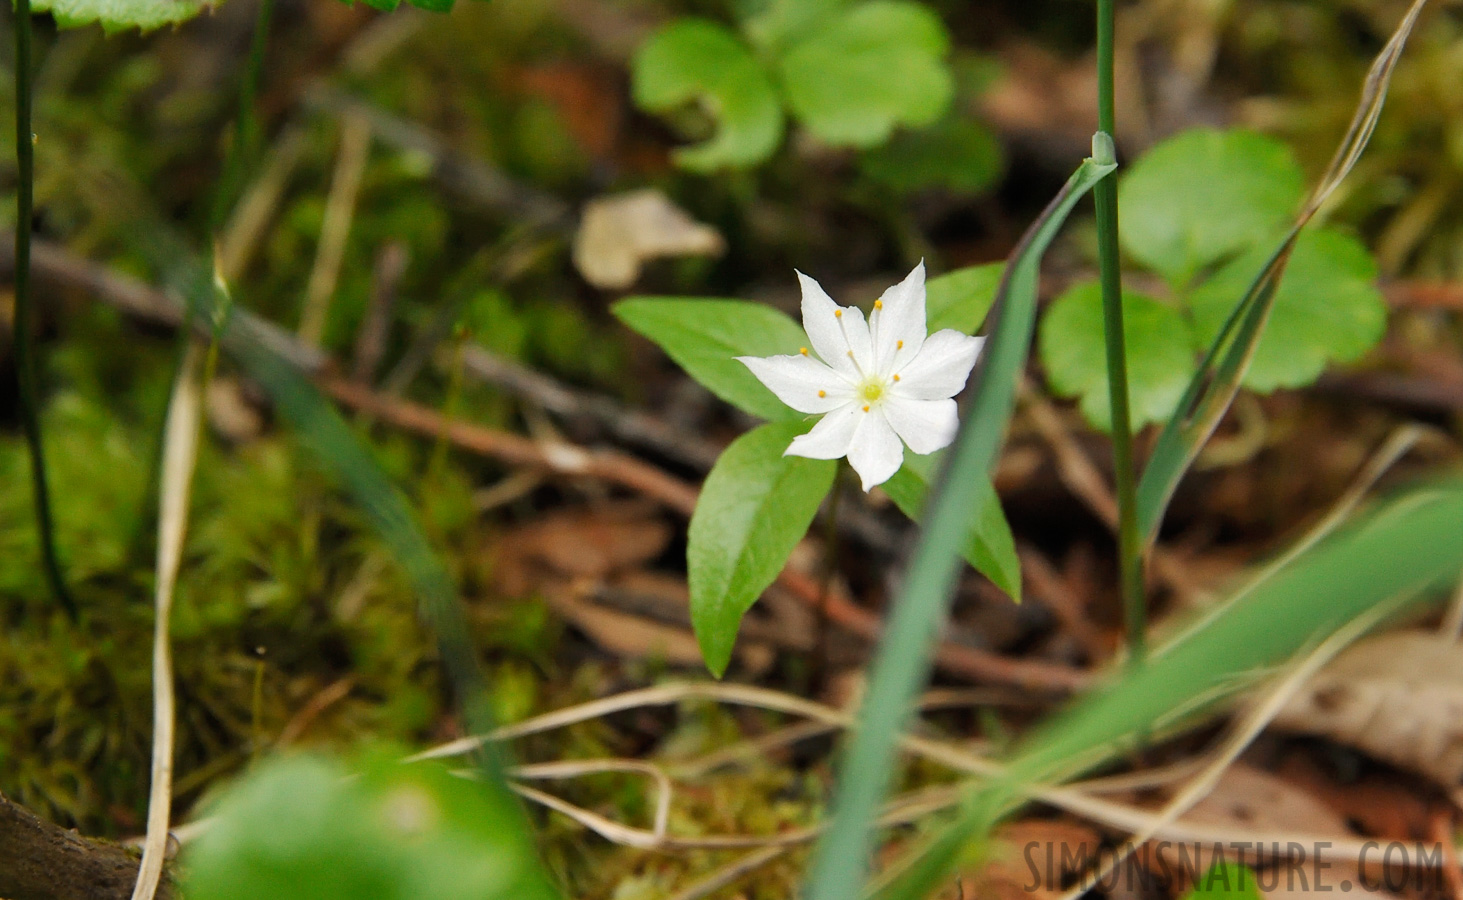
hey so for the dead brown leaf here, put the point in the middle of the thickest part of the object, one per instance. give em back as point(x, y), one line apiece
point(1396, 696)
point(620, 233)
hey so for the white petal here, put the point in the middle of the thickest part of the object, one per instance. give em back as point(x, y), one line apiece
point(941, 368)
point(925, 425)
point(801, 382)
point(856, 331)
point(898, 322)
point(825, 331)
point(875, 451)
point(830, 438)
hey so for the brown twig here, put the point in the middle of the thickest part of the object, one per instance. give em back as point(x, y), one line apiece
point(562, 459)
point(630, 426)
point(952, 658)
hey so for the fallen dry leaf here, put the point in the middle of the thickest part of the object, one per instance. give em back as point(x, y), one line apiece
point(1396, 696)
point(620, 233)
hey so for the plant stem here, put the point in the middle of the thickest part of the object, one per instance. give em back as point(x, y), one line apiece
point(819, 675)
point(245, 146)
point(25, 363)
point(1105, 196)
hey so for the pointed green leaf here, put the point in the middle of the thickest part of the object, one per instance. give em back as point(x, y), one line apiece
point(699, 60)
point(1327, 309)
point(1203, 195)
point(989, 545)
point(961, 299)
point(1227, 880)
point(879, 65)
point(705, 336)
point(754, 508)
point(1160, 354)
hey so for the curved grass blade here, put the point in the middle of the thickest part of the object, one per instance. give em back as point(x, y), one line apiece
point(1217, 380)
point(903, 661)
point(257, 348)
point(1408, 545)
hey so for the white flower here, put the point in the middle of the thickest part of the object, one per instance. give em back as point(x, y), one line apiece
point(879, 385)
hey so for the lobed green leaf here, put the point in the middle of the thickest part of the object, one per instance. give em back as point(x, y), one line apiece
point(1204, 195)
point(1326, 309)
point(1159, 347)
point(866, 71)
point(697, 59)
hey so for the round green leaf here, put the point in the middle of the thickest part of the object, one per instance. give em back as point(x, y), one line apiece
point(1159, 345)
point(754, 508)
point(307, 828)
point(1203, 195)
point(879, 65)
point(696, 59)
point(705, 336)
point(1327, 309)
point(957, 154)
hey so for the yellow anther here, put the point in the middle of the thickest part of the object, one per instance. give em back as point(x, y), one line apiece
point(896, 377)
point(803, 350)
point(822, 393)
point(878, 304)
point(866, 409)
point(898, 345)
point(838, 314)
point(850, 354)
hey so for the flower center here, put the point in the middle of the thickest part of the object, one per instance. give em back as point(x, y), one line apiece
point(871, 390)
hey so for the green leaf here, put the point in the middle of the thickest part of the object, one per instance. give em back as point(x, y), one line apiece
point(989, 546)
point(1226, 880)
point(308, 828)
point(957, 154)
point(903, 661)
point(705, 336)
point(773, 24)
point(1327, 309)
point(1160, 354)
point(697, 59)
point(120, 15)
point(961, 299)
point(754, 508)
point(879, 65)
point(1203, 195)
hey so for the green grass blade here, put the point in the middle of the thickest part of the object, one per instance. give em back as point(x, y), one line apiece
point(1217, 381)
point(903, 660)
point(321, 428)
point(1406, 546)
